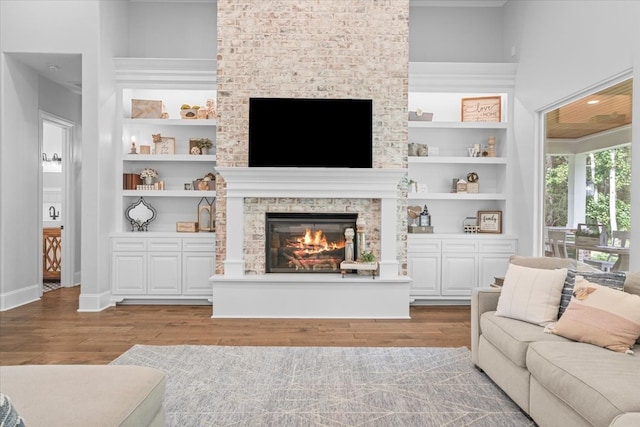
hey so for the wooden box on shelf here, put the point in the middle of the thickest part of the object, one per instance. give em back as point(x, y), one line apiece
point(146, 109)
point(420, 229)
point(187, 226)
point(473, 187)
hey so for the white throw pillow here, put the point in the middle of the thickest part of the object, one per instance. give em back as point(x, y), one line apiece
point(531, 294)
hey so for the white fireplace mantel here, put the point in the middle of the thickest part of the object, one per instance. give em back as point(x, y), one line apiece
point(234, 290)
point(312, 182)
point(362, 183)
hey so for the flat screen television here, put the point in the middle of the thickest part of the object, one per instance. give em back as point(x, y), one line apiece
point(304, 132)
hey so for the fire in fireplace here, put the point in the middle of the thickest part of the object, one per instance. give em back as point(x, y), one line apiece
point(306, 242)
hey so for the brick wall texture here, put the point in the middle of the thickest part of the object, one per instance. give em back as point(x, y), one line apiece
point(310, 49)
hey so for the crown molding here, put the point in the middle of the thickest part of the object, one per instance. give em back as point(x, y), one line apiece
point(160, 70)
point(457, 3)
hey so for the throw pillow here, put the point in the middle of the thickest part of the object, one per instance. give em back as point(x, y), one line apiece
point(8, 415)
point(531, 294)
point(601, 316)
point(614, 280)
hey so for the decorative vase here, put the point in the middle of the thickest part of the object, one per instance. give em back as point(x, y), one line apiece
point(148, 180)
point(204, 150)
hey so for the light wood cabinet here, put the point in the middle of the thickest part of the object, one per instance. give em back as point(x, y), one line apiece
point(51, 253)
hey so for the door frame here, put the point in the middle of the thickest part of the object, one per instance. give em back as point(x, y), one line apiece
point(69, 228)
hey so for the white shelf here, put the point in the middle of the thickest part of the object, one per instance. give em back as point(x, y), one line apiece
point(457, 196)
point(168, 193)
point(160, 234)
point(459, 160)
point(458, 125)
point(169, 122)
point(168, 158)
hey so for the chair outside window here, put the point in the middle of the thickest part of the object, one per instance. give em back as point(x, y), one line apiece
point(620, 239)
point(558, 243)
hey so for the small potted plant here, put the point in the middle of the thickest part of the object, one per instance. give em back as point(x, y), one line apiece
point(204, 144)
point(147, 175)
point(368, 257)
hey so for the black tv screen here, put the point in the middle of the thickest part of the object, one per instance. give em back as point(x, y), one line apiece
point(304, 132)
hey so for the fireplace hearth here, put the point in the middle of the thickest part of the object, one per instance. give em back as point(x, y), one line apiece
point(306, 242)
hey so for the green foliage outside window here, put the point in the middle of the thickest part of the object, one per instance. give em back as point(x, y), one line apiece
point(597, 204)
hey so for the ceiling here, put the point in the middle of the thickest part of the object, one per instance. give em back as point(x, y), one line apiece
point(62, 68)
point(602, 111)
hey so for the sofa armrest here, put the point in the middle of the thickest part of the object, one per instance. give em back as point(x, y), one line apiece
point(482, 300)
point(630, 419)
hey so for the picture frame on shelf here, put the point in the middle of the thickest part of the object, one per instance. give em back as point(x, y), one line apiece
point(490, 222)
point(481, 109)
point(166, 145)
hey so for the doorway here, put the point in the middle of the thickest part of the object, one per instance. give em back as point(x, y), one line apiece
point(57, 209)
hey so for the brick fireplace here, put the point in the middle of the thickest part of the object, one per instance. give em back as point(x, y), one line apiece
point(310, 49)
point(237, 294)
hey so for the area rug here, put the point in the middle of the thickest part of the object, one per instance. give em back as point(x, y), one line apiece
point(50, 286)
point(325, 386)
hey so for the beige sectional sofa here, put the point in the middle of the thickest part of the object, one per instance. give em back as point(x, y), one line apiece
point(556, 381)
point(85, 395)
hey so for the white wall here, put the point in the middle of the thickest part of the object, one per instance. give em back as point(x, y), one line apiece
point(20, 161)
point(172, 30)
point(564, 47)
point(456, 34)
point(58, 27)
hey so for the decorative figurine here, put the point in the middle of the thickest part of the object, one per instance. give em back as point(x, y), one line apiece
point(491, 150)
point(348, 246)
point(360, 238)
point(211, 109)
point(425, 217)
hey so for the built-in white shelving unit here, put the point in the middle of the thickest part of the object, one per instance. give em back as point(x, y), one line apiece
point(162, 265)
point(447, 265)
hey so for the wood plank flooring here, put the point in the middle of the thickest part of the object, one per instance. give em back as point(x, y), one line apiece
point(52, 331)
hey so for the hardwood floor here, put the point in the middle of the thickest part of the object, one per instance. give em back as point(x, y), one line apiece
point(52, 331)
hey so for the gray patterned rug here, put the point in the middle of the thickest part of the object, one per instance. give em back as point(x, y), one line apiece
point(325, 386)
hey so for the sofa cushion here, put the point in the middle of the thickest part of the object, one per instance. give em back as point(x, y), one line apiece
point(8, 415)
point(597, 383)
point(601, 316)
point(632, 286)
point(632, 283)
point(512, 336)
point(613, 279)
point(631, 419)
point(531, 294)
point(86, 395)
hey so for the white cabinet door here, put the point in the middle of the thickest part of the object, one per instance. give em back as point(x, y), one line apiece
point(164, 273)
point(129, 273)
point(197, 267)
point(424, 270)
point(459, 273)
point(491, 266)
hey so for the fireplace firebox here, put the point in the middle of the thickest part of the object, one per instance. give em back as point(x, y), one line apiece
point(306, 242)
